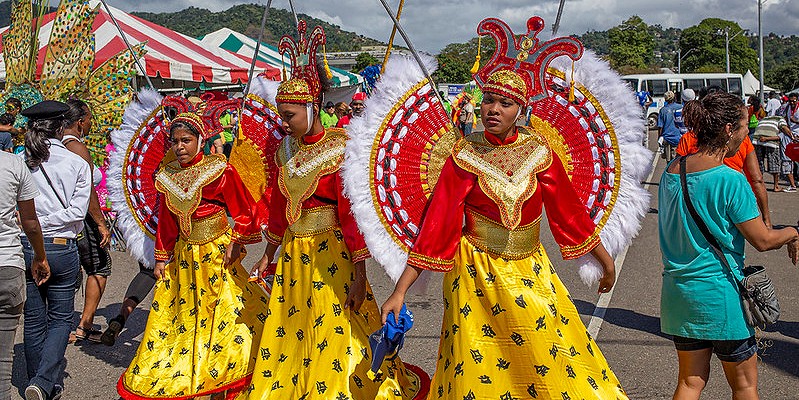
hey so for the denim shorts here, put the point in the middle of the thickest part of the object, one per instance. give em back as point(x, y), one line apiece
point(725, 350)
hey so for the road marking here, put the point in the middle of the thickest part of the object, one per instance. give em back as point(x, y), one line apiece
point(598, 317)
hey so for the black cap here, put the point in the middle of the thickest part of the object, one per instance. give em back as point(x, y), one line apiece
point(329, 104)
point(48, 109)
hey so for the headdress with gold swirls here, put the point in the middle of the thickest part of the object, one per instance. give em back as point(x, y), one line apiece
point(304, 86)
point(204, 117)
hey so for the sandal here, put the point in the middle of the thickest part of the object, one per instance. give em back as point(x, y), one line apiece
point(109, 337)
point(89, 334)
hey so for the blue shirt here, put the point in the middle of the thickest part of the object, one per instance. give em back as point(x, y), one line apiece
point(667, 123)
point(699, 298)
point(5, 141)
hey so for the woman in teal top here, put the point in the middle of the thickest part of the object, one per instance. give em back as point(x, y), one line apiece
point(700, 304)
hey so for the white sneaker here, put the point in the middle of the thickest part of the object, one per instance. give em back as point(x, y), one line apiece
point(34, 392)
point(790, 190)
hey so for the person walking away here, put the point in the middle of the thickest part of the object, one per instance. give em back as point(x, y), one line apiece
point(767, 140)
point(773, 104)
point(791, 115)
point(93, 240)
point(17, 192)
point(328, 115)
point(138, 288)
point(64, 183)
point(669, 132)
point(226, 121)
point(700, 304)
point(466, 116)
point(756, 113)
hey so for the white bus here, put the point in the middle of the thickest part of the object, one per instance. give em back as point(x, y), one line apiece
point(658, 84)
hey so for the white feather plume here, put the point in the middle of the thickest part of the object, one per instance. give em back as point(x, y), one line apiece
point(621, 107)
point(264, 88)
point(402, 73)
point(139, 244)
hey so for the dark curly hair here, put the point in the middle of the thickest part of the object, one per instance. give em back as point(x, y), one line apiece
point(707, 118)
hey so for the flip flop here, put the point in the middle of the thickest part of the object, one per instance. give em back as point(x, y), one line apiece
point(89, 334)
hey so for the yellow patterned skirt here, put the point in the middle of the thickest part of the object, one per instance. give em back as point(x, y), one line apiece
point(203, 329)
point(511, 331)
point(314, 348)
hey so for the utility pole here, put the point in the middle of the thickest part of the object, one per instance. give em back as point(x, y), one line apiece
point(680, 57)
point(760, 46)
point(727, 46)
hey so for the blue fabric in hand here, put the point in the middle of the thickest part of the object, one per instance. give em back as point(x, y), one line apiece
point(388, 340)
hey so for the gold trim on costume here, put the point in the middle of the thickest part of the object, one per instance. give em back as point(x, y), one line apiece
point(571, 252)
point(430, 263)
point(163, 255)
point(360, 255)
point(208, 228)
point(507, 173)
point(314, 221)
point(495, 239)
point(182, 186)
point(301, 166)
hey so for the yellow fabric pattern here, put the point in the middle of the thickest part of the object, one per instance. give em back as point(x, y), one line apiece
point(312, 347)
point(204, 326)
point(511, 331)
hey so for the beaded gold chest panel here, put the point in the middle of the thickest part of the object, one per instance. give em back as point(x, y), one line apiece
point(507, 173)
point(182, 186)
point(302, 165)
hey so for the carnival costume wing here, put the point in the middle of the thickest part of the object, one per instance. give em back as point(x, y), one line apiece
point(578, 103)
point(259, 134)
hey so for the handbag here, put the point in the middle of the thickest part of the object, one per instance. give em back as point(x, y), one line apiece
point(758, 297)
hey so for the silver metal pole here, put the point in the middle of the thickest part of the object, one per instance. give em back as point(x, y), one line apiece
point(136, 59)
point(413, 49)
point(296, 21)
point(257, 49)
point(679, 60)
point(557, 19)
point(727, 46)
point(760, 46)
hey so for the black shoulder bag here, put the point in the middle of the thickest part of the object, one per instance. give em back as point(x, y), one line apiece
point(759, 299)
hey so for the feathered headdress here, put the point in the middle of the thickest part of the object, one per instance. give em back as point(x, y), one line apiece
point(304, 86)
point(524, 58)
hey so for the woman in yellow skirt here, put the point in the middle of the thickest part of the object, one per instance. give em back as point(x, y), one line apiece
point(206, 318)
point(510, 329)
point(315, 342)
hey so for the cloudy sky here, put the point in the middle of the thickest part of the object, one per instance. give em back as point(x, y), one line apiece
point(432, 24)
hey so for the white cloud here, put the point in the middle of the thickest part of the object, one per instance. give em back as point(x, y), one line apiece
point(431, 25)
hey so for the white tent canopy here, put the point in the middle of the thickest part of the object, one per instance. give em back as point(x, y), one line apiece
point(752, 84)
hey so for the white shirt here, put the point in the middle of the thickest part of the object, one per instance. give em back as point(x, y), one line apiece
point(772, 105)
point(16, 184)
point(72, 180)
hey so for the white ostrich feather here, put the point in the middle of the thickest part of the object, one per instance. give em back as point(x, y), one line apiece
point(402, 73)
point(264, 88)
point(139, 244)
point(621, 107)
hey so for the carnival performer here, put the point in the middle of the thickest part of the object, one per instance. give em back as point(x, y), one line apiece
point(510, 329)
point(315, 343)
point(205, 315)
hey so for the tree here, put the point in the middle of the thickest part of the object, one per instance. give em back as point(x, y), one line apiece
point(708, 43)
point(364, 60)
point(452, 70)
point(785, 76)
point(631, 44)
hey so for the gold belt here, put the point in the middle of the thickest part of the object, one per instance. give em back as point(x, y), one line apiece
point(204, 230)
point(495, 239)
point(314, 221)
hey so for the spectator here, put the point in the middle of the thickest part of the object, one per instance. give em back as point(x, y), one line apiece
point(773, 104)
point(767, 146)
point(791, 114)
point(226, 121)
point(93, 241)
point(447, 104)
point(756, 113)
point(6, 142)
point(9, 124)
point(358, 108)
point(466, 114)
point(328, 115)
point(669, 132)
point(64, 181)
point(17, 191)
point(700, 304)
point(342, 109)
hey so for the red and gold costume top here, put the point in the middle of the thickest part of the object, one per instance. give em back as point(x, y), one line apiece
point(311, 199)
point(195, 199)
point(501, 188)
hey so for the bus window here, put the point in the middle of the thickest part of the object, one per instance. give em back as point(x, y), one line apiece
point(657, 87)
point(675, 87)
point(694, 84)
point(722, 83)
point(633, 83)
point(735, 86)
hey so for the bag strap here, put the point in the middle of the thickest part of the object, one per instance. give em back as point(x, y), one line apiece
point(49, 182)
point(714, 244)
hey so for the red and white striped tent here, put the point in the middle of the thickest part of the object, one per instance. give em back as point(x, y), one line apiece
point(170, 55)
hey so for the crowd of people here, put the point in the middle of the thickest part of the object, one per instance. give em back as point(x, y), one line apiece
point(213, 333)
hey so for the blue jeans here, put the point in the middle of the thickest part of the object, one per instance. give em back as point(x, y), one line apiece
point(49, 313)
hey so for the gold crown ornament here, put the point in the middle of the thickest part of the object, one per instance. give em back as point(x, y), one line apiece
point(294, 91)
point(509, 84)
point(304, 86)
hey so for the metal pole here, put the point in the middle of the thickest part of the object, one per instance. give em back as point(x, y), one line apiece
point(727, 46)
point(413, 49)
point(760, 46)
point(557, 19)
point(391, 39)
point(257, 49)
point(679, 60)
point(136, 59)
point(296, 21)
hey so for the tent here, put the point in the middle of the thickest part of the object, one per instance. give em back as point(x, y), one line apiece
point(244, 47)
point(170, 55)
point(751, 85)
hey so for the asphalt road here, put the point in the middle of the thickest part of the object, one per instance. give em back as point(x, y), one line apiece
point(643, 358)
